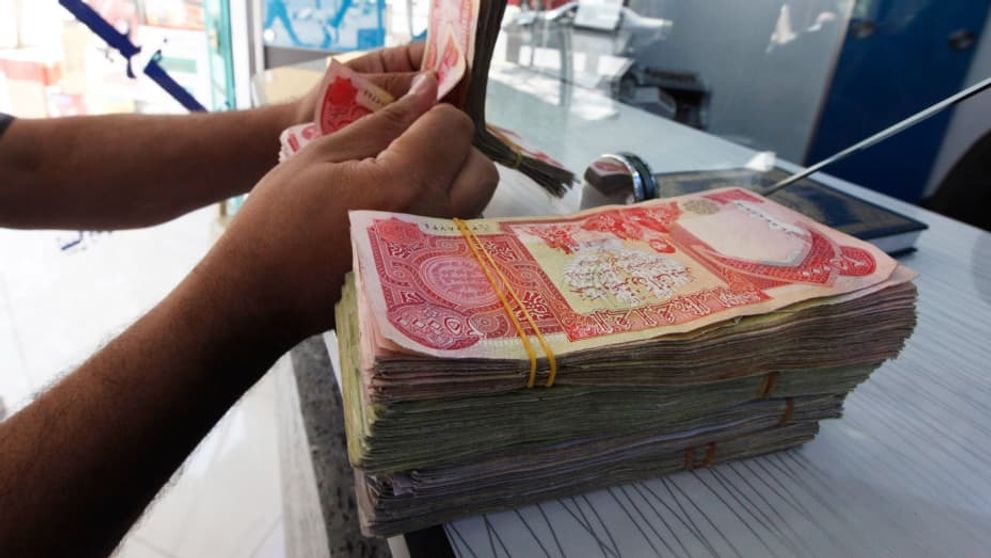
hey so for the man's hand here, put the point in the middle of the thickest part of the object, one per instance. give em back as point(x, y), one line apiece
point(291, 241)
point(392, 69)
point(82, 461)
point(129, 170)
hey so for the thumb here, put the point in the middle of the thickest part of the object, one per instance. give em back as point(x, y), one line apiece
point(396, 83)
point(370, 135)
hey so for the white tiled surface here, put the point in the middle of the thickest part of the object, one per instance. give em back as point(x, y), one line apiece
point(58, 306)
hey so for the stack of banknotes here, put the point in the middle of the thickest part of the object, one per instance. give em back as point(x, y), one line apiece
point(492, 363)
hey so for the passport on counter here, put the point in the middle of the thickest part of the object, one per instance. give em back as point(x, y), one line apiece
point(890, 231)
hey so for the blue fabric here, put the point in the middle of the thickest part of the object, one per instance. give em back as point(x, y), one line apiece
point(122, 43)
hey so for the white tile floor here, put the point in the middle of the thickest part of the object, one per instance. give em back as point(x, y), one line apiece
point(58, 305)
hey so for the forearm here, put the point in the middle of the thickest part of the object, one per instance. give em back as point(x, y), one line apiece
point(80, 464)
point(125, 171)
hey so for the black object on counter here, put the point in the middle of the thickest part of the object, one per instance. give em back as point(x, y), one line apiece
point(890, 231)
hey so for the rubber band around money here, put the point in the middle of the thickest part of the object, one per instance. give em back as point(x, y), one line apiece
point(707, 458)
point(767, 385)
point(485, 260)
point(512, 145)
point(789, 411)
point(710, 454)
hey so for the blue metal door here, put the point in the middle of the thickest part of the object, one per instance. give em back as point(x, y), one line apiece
point(899, 56)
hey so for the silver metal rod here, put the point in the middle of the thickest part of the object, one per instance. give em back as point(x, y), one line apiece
point(883, 134)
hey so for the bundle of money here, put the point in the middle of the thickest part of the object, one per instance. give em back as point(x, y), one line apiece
point(482, 19)
point(488, 364)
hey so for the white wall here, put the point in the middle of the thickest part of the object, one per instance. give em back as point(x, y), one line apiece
point(971, 120)
point(39, 22)
point(8, 23)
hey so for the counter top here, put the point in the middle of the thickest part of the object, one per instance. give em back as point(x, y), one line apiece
point(905, 472)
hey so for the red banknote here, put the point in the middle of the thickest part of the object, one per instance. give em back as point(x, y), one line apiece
point(451, 66)
point(462, 17)
point(347, 97)
point(295, 138)
point(450, 41)
point(603, 276)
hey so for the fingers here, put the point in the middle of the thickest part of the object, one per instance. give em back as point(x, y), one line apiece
point(397, 83)
point(370, 135)
point(473, 187)
point(434, 148)
point(405, 58)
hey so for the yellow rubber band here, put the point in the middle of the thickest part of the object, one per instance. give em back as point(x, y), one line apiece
point(551, 360)
point(512, 145)
point(478, 250)
point(470, 239)
point(499, 134)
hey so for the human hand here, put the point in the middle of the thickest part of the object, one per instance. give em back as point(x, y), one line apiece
point(391, 69)
point(285, 254)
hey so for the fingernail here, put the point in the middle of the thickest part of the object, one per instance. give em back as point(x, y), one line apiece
point(419, 85)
